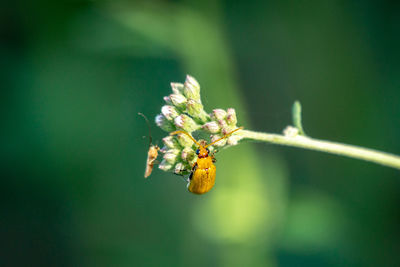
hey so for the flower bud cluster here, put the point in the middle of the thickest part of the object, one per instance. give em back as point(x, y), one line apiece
point(222, 122)
point(179, 154)
point(184, 111)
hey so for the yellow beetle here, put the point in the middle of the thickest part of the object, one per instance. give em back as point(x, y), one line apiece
point(202, 177)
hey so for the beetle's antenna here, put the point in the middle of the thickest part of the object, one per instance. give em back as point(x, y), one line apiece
point(148, 125)
point(225, 136)
point(178, 132)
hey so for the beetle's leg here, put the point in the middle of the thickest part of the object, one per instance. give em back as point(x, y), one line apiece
point(193, 171)
point(181, 172)
point(213, 158)
point(213, 153)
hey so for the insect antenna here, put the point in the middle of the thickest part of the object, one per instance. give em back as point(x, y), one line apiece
point(225, 136)
point(148, 125)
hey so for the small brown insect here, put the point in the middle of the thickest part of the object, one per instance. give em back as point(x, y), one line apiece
point(152, 154)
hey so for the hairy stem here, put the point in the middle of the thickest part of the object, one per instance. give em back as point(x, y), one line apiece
point(356, 152)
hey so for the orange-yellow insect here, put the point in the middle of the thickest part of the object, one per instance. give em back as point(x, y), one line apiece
point(202, 177)
point(152, 154)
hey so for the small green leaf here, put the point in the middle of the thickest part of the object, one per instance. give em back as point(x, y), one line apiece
point(296, 113)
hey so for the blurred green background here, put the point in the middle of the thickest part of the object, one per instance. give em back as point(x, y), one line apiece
point(76, 73)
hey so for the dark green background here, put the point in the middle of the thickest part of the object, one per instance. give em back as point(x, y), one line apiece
point(75, 74)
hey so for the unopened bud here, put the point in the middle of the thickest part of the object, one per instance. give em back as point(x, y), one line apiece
point(219, 143)
point(164, 165)
point(231, 117)
point(177, 88)
point(187, 154)
point(175, 151)
point(167, 100)
point(194, 108)
point(164, 149)
point(170, 157)
point(227, 130)
point(219, 114)
point(191, 88)
point(170, 142)
point(222, 124)
point(184, 140)
point(233, 140)
point(169, 112)
point(186, 123)
point(211, 127)
point(178, 100)
point(179, 168)
point(164, 124)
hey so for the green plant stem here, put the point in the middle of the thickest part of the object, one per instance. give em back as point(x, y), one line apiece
point(351, 151)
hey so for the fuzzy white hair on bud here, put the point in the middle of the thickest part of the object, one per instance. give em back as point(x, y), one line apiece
point(177, 88)
point(211, 127)
point(169, 112)
point(178, 100)
point(219, 114)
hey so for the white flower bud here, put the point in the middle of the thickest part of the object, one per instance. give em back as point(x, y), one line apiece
point(192, 88)
point(169, 112)
point(219, 114)
point(219, 143)
point(178, 100)
point(231, 117)
point(179, 168)
point(194, 108)
point(177, 88)
point(227, 130)
point(170, 142)
point(170, 157)
point(187, 154)
point(233, 140)
point(186, 123)
point(184, 140)
point(164, 124)
point(179, 121)
point(192, 81)
point(167, 100)
point(175, 151)
point(222, 124)
point(164, 165)
point(211, 127)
